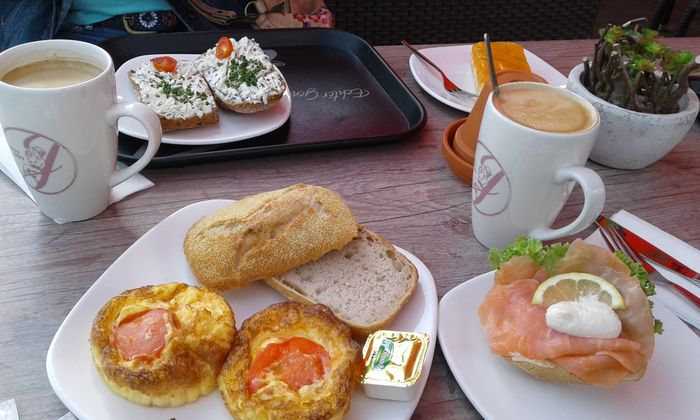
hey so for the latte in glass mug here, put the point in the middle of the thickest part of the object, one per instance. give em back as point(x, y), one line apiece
point(51, 74)
point(544, 109)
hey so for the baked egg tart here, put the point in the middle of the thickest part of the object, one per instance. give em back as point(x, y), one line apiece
point(162, 345)
point(291, 360)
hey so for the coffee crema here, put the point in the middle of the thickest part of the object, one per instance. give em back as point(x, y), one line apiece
point(543, 109)
point(51, 74)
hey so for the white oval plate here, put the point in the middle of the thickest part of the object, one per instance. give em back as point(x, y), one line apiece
point(456, 62)
point(157, 257)
point(231, 127)
point(500, 390)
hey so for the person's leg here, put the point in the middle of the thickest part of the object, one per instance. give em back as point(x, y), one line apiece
point(30, 20)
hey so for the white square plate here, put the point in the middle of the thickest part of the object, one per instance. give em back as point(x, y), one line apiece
point(500, 390)
point(157, 257)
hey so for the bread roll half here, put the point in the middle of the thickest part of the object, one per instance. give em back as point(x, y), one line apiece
point(267, 234)
point(365, 284)
point(548, 371)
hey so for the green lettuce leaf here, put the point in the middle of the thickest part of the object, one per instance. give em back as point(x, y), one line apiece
point(638, 271)
point(546, 256)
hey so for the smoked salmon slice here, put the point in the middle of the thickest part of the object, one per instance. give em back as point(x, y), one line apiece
point(514, 326)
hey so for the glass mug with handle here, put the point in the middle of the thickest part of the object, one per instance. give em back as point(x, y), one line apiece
point(533, 144)
point(58, 110)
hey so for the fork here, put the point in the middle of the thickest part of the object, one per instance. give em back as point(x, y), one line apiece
point(446, 82)
point(616, 243)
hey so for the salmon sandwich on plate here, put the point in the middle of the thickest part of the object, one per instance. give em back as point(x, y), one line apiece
point(570, 313)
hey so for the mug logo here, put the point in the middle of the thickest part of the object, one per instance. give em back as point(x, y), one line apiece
point(491, 187)
point(47, 166)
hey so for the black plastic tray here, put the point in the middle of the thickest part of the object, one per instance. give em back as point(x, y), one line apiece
point(343, 94)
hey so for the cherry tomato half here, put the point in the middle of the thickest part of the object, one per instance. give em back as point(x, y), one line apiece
point(224, 48)
point(164, 63)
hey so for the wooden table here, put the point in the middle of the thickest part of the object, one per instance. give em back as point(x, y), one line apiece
point(403, 190)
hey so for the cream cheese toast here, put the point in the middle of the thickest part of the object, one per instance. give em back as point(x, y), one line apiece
point(242, 79)
point(180, 97)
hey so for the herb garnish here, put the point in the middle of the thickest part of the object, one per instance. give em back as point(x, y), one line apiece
point(242, 70)
point(179, 93)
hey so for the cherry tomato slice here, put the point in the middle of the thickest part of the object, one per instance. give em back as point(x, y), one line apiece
point(296, 361)
point(164, 63)
point(224, 48)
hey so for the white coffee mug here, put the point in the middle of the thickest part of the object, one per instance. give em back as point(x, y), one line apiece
point(64, 139)
point(523, 176)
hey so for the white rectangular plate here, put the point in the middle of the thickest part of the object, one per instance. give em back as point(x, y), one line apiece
point(157, 257)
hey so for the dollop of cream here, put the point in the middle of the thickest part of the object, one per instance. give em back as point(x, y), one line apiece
point(584, 318)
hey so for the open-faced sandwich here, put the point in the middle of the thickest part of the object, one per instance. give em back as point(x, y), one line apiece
point(176, 92)
point(241, 76)
point(572, 313)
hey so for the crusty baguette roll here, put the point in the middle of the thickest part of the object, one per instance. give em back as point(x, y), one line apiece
point(181, 98)
point(366, 283)
point(267, 234)
point(244, 82)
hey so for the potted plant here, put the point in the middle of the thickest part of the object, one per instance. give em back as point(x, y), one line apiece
point(640, 88)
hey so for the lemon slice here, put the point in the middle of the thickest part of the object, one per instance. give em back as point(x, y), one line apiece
point(575, 287)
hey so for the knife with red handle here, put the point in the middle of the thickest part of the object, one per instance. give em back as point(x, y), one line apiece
point(650, 251)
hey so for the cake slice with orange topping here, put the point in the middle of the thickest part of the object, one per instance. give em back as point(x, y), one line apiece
point(506, 56)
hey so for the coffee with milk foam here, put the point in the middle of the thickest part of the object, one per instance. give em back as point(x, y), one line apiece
point(543, 109)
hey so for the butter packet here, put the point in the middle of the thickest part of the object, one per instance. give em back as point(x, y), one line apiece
point(393, 363)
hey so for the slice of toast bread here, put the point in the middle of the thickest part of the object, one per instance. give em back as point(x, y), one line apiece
point(181, 98)
point(244, 82)
point(366, 283)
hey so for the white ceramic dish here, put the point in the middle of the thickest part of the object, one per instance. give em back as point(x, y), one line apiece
point(231, 127)
point(455, 61)
point(499, 390)
point(157, 257)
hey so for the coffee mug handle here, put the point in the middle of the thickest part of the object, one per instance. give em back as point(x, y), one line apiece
point(593, 201)
point(151, 123)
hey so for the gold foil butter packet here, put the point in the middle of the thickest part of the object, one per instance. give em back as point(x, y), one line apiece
point(393, 363)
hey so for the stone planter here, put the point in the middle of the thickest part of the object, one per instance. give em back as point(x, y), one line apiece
point(633, 140)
